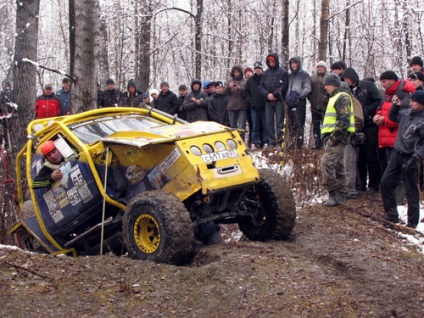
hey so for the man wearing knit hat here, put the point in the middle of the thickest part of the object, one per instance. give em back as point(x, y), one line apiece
point(338, 125)
point(167, 101)
point(397, 91)
point(318, 99)
point(409, 151)
point(338, 68)
point(256, 103)
point(369, 96)
point(416, 64)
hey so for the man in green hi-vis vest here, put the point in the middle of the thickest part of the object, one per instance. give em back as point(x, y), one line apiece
point(337, 127)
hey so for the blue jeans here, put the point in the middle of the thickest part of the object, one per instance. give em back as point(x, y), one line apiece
point(274, 112)
point(238, 120)
point(258, 121)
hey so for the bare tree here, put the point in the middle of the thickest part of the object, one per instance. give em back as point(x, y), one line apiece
point(322, 47)
point(285, 31)
point(86, 34)
point(24, 73)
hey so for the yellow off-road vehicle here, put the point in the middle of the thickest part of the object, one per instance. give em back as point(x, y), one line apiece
point(143, 182)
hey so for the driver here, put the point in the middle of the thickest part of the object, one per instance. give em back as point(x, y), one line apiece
point(49, 172)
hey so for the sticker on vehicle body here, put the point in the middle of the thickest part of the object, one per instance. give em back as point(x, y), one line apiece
point(155, 176)
point(133, 153)
point(53, 206)
point(220, 155)
point(135, 174)
point(60, 196)
point(80, 184)
point(73, 196)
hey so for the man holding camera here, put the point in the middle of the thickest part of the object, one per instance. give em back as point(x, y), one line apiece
point(408, 153)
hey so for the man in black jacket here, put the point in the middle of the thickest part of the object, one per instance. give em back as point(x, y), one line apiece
point(273, 87)
point(256, 103)
point(111, 96)
point(167, 101)
point(409, 151)
point(218, 105)
point(369, 96)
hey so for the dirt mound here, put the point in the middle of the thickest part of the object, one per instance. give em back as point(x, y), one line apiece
point(340, 262)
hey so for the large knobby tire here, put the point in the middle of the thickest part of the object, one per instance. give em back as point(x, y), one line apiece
point(273, 209)
point(157, 227)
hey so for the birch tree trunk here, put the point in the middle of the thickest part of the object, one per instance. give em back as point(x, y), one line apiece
point(198, 38)
point(322, 47)
point(285, 31)
point(142, 47)
point(84, 88)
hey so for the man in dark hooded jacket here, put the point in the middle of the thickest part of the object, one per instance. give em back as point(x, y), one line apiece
point(196, 103)
point(369, 96)
point(273, 86)
point(132, 97)
point(299, 87)
point(237, 104)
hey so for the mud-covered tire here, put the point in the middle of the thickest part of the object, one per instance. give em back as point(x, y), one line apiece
point(27, 209)
point(273, 209)
point(157, 227)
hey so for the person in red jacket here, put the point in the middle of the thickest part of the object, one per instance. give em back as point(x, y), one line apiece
point(47, 105)
point(396, 91)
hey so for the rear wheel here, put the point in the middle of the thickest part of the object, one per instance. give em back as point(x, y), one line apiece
point(272, 208)
point(157, 227)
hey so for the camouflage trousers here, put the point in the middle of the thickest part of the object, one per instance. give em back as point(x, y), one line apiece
point(333, 169)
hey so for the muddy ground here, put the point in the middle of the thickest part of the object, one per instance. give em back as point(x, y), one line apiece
point(340, 262)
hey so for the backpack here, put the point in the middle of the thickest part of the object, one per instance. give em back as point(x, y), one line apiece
point(358, 114)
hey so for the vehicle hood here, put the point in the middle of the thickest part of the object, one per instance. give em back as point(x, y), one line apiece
point(165, 133)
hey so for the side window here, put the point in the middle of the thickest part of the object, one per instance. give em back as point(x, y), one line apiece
point(65, 148)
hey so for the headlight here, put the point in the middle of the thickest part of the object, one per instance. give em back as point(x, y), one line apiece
point(232, 144)
point(207, 148)
point(196, 151)
point(219, 145)
point(37, 127)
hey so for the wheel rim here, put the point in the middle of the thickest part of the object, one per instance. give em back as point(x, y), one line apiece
point(259, 217)
point(146, 233)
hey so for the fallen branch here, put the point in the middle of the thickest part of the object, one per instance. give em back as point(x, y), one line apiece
point(28, 270)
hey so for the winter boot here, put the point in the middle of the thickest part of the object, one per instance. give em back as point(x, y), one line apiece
point(333, 199)
point(341, 197)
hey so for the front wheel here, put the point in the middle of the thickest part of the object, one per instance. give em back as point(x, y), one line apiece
point(157, 227)
point(272, 208)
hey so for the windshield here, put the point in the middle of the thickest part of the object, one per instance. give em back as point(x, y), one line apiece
point(93, 130)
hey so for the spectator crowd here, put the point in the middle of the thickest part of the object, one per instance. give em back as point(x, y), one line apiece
point(371, 136)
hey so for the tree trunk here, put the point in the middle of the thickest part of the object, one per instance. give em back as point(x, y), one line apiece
point(322, 47)
point(285, 32)
point(24, 73)
point(102, 53)
point(144, 32)
point(86, 33)
point(198, 38)
point(346, 33)
point(71, 36)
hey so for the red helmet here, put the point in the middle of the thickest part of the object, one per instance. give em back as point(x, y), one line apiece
point(47, 147)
